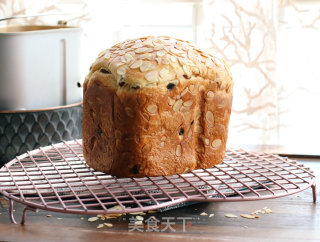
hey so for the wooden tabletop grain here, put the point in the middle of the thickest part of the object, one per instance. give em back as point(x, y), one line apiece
point(293, 218)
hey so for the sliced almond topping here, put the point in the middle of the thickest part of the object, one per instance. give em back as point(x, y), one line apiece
point(210, 94)
point(162, 144)
point(121, 71)
point(158, 60)
point(173, 59)
point(184, 92)
point(166, 61)
point(107, 55)
point(163, 138)
point(216, 144)
point(158, 46)
point(178, 150)
point(171, 101)
point(152, 109)
point(161, 53)
point(177, 105)
point(188, 103)
point(152, 76)
point(191, 88)
point(136, 64)
point(122, 52)
point(209, 117)
point(163, 73)
point(206, 141)
point(145, 66)
point(141, 50)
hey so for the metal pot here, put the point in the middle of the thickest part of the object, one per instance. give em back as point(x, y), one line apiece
point(39, 66)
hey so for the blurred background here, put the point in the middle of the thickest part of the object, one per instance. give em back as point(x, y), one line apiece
point(272, 47)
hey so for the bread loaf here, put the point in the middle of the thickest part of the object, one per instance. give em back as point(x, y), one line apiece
point(155, 106)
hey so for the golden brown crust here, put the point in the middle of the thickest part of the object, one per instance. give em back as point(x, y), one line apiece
point(155, 129)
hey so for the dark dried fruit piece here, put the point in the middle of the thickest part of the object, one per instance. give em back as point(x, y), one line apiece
point(135, 169)
point(181, 131)
point(105, 71)
point(136, 87)
point(170, 86)
point(99, 131)
point(192, 122)
point(186, 76)
point(121, 84)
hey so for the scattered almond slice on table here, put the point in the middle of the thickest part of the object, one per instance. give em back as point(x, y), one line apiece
point(211, 215)
point(109, 225)
point(230, 215)
point(100, 226)
point(140, 218)
point(92, 219)
point(203, 214)
point(249, 216)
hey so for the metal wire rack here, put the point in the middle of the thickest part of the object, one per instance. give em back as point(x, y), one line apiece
point(56, 178)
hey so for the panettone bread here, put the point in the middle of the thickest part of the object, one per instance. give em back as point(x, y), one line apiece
point(155, 106)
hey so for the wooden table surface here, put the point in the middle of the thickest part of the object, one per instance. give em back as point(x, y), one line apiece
point(293, 218)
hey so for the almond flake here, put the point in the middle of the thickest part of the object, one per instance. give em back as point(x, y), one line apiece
point(100, 226)
point(211, 215)
point(216, 144)
point(121, 71)
point(145, 66)
point(152, 76)
point(188, 103)
point(230, 215)
point(82, 218)
point(152, 109)
point(140, 218)
point(166, 61)
point(92, 219)
point(170, 101)
point(209, 117)
point(139, 222)
point(136, 64)
point(177, 105)
point(178, 150)
point(173, 59)
point(203, 214)
point(210, 94)
point(163, 73)
point(248, 216)
point(141, 50)
point(158, 47)
point(109, 225)
point(122, 52)
point(49, 215)
point(138, 213)
point(158, 60)
point(161, 53)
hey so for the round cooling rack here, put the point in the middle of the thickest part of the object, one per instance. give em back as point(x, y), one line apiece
point(56, 178)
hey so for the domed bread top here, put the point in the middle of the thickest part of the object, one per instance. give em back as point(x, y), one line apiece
point(153, 61)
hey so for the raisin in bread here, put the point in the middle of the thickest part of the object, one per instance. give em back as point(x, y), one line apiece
point(155, 106)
